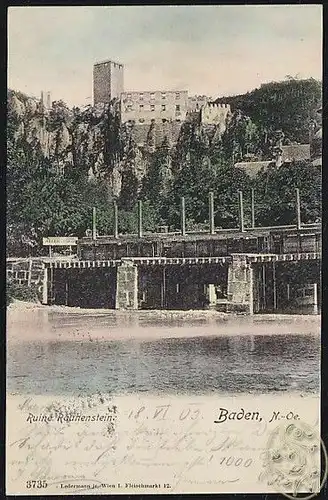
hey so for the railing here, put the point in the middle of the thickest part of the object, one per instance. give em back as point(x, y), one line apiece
point(217, 231)
point(92, 234)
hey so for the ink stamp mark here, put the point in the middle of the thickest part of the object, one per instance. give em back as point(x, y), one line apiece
point(292, 461)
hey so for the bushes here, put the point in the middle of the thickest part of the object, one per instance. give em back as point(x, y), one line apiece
point(14, 291)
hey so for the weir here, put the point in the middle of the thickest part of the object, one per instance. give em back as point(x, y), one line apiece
point(245, 283)
point(247, 269)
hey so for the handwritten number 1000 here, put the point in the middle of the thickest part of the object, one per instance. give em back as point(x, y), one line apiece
point(236, 461)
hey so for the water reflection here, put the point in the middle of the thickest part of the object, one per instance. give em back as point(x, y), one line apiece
point(200, 365)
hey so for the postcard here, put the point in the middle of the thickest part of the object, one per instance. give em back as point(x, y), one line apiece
point(164, 250)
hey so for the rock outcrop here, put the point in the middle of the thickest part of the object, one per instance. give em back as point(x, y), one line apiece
point(90, 139)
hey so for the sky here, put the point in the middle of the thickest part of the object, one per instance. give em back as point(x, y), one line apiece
point(212, 50)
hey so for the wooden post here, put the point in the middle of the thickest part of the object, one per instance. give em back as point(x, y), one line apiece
point(315, 298)
point(264, 286)
point(115, 220)
point(66, 287)
point(163, 289)
point(253, 207)
point(94, 224)
point(241, 211)
point(250, 277)
point(298, 208)
point(183, 216)
point(51, 288)
point(274, 286)
point(45, 286)
point(140, 219)
point(29, 275)
point(211, 212)
point(258, 292)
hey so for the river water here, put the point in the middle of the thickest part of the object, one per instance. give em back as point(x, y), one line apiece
point(78, 354)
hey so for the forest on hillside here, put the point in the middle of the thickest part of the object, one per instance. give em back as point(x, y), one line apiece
point(289, 105)
point(63, 163)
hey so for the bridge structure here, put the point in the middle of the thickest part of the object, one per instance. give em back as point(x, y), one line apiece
point(245, 269)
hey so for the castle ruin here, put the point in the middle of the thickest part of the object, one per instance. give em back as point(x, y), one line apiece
point(156, 106)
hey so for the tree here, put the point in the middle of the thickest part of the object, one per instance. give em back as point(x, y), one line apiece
point(194, 176)
point(129, 191)
point(241, 137)
point(275, 194)
point(288, 105)
point(157, 181)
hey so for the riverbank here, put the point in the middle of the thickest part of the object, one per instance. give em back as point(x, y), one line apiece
point(21, 306)
point(29, 321)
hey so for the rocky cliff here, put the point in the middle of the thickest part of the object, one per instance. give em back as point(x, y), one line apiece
point(91, 139)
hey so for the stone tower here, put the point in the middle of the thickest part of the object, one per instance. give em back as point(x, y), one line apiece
point(46, 99)
point(108, 81)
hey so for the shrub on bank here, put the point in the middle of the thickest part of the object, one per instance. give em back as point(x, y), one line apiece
point(15, 291)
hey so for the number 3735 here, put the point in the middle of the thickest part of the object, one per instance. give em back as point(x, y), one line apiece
point(40, 483)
